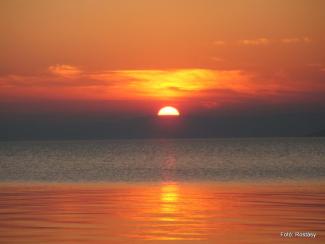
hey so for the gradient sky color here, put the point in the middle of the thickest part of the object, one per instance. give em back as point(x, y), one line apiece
point(134, 56)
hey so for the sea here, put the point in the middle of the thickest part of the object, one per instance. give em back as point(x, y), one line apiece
point(252, 159)
point(234, 190)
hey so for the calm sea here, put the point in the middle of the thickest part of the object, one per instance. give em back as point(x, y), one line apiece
point(163, 160)
point(236, 191)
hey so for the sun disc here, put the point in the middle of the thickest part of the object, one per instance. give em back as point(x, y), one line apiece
point(168, 111)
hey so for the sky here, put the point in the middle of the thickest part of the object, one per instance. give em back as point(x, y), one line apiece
point(101, 59)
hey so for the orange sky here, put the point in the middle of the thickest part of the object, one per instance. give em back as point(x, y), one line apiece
point(208, 53)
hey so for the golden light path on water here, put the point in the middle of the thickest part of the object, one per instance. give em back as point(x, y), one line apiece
point(172, 217)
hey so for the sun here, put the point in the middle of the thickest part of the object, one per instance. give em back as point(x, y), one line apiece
point(168, 111)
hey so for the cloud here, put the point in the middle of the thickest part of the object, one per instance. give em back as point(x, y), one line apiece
point(64, 70)
point(294, 40)
point(164, 83)
point(208, 85)
point(266, 41)
point(255, 42)
point(60, 75)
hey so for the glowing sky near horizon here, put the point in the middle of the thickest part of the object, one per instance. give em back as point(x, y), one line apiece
point(209, 53)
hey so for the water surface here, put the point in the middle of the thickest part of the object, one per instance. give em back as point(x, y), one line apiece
point(150, 213)
point(148, 191)
point(164, 160)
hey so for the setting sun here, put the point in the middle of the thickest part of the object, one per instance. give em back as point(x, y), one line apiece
point(168, 111)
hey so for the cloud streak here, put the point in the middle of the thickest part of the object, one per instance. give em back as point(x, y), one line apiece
point(67, 71)
point(295, 40)
point(255, 42)
point(210, 86)
point(264, 41)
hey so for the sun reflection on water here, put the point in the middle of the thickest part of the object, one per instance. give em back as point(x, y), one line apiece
point(172, 216)
point(169, 201)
